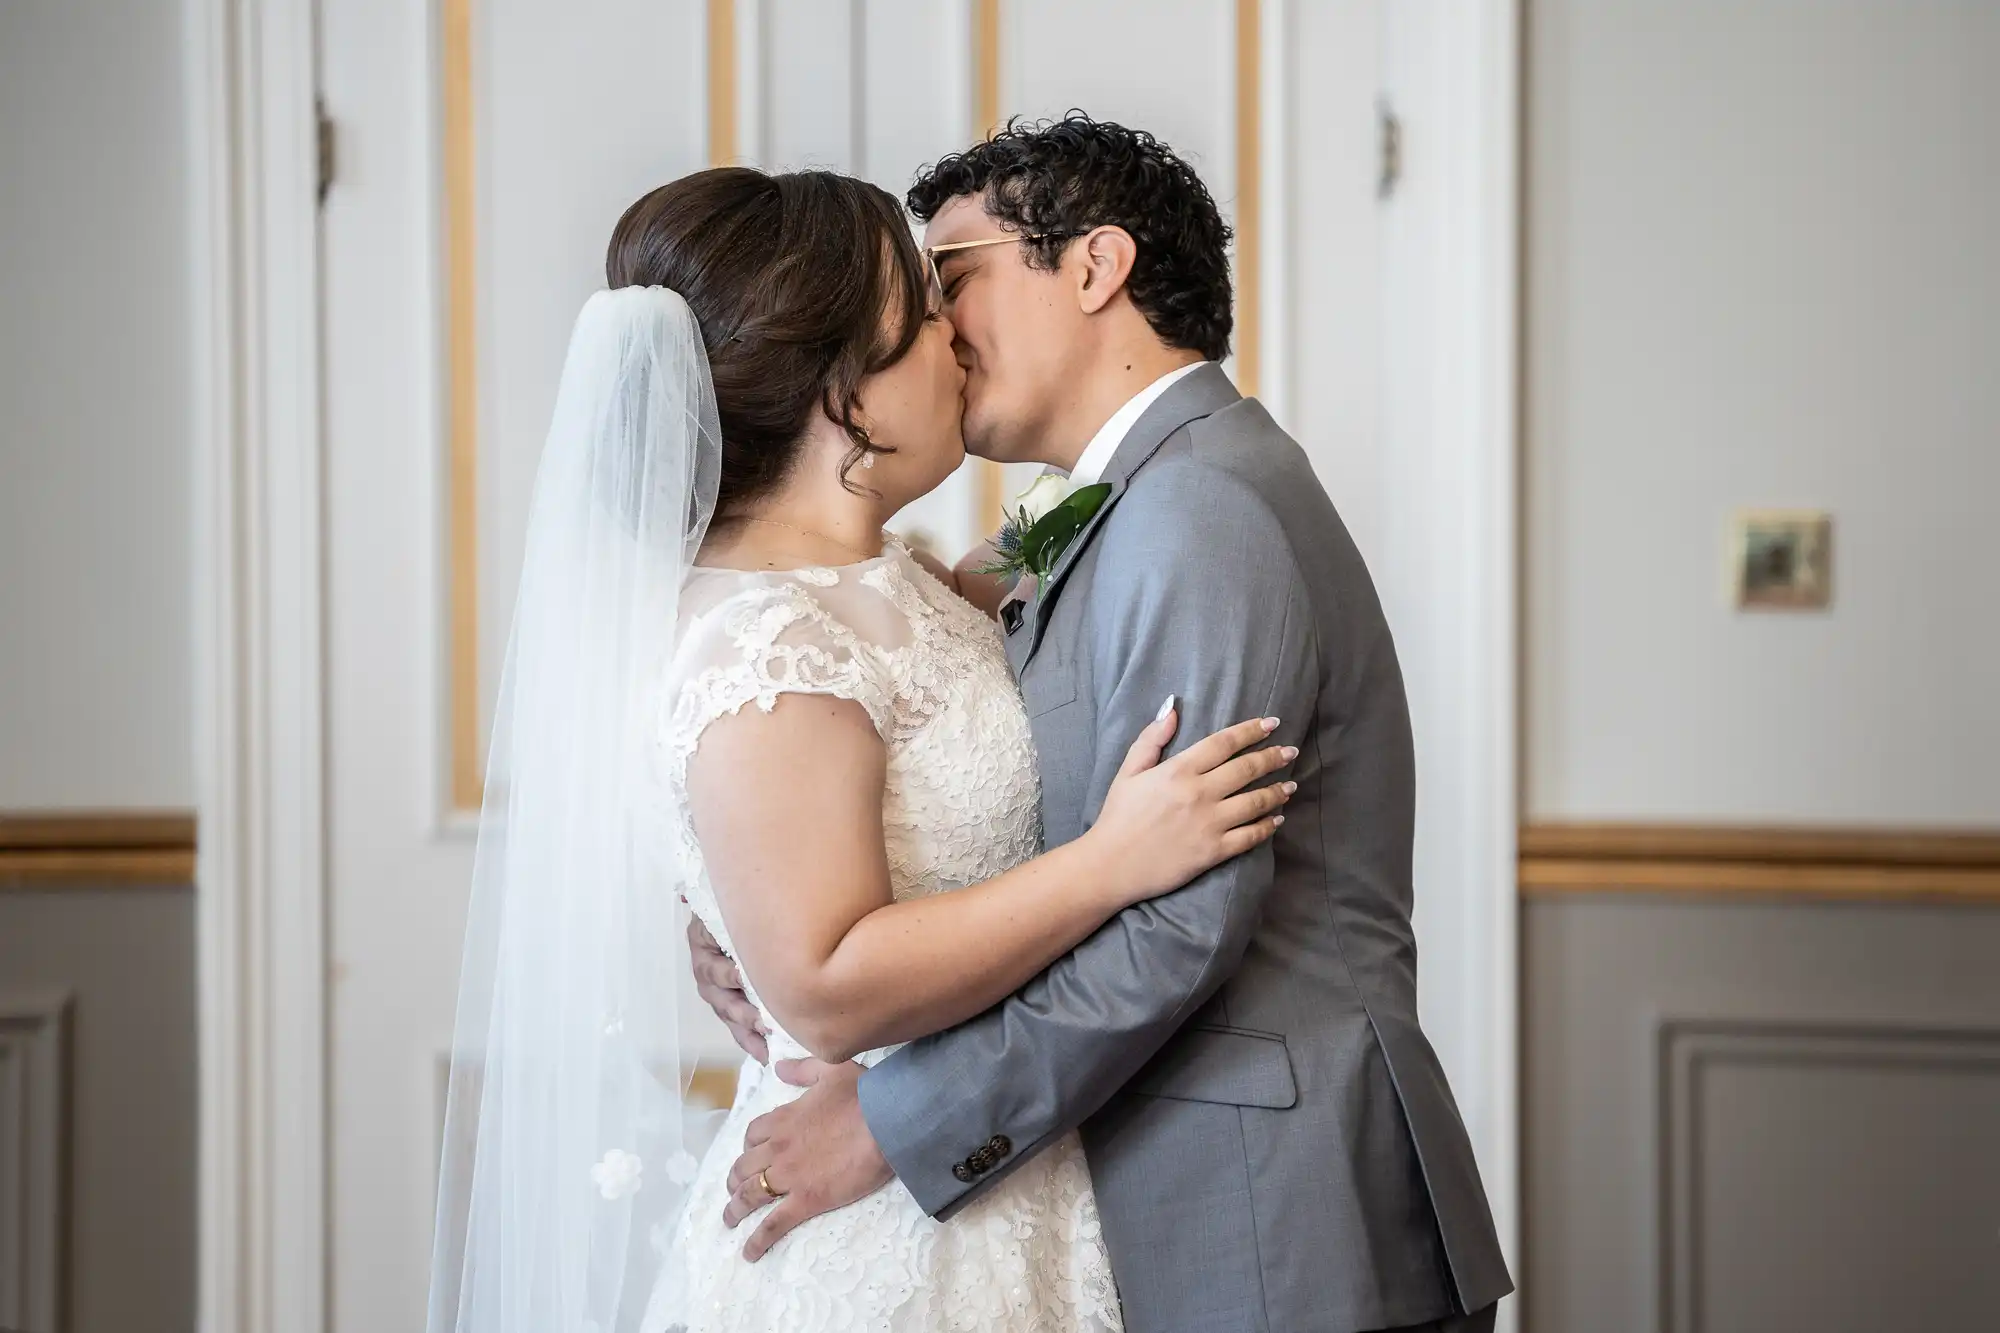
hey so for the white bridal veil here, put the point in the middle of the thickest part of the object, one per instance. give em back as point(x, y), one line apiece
point(566, 1149)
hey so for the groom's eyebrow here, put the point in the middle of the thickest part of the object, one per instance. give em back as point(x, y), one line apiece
point(973, 257)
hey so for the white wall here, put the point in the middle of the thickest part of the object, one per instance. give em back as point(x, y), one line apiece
point(1763, 270)
point(94, 436)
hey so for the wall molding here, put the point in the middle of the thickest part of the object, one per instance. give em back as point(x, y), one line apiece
point(724, 146)
point(1688, 1049)
point(43, 849)
point(989, 498)
point(458, 167)
point(34, 1159)
point(252, 135)
point(1449, 283)
point(1750, 862)
point(1249, 220)
point(1273, 146)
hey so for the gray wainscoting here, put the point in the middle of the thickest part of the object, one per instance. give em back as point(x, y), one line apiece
point(1744, 1117)
point(34, 1095)
point(97, 1110)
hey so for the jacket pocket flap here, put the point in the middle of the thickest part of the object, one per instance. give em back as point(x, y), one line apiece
point(1235, 1066)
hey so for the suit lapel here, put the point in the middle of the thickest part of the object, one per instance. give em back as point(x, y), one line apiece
point(1195, 396)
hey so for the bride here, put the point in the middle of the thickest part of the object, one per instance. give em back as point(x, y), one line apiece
point(726, 686)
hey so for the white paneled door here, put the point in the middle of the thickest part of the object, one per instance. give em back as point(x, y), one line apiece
point(484, 150)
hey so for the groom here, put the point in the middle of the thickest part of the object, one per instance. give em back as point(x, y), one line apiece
point(1271, 1139)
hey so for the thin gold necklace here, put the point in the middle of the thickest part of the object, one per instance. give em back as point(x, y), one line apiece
point(819, 536)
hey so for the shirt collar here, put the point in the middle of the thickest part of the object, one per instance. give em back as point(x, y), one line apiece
point(1096, 456)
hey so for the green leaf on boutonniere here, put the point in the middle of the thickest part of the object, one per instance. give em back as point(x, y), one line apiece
point(1050, 537)
point(1025, 546)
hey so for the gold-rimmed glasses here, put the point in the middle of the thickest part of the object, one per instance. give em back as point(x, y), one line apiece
point(931, 253)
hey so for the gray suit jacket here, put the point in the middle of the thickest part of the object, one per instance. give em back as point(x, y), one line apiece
point(1270, 1136)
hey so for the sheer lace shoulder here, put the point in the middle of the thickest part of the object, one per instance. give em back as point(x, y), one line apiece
point(749, 638)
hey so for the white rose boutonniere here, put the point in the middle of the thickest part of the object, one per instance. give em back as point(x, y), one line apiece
point(1046, 519)
point(1049, 490)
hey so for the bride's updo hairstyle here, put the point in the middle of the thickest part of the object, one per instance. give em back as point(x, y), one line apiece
point(803, 283)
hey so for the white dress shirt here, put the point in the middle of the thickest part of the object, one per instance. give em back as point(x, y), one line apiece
point(1096, 455)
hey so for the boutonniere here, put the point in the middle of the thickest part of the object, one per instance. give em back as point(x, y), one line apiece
point(1046, 518)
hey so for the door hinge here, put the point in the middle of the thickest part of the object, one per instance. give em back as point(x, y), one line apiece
point(1391, 130)
point(326, 151)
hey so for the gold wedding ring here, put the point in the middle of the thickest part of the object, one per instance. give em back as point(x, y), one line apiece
point(764, 1183)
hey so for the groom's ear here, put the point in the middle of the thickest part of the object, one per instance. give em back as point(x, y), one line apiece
point(1107, 254)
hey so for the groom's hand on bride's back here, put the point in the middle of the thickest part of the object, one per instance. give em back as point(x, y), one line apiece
point(720, 986)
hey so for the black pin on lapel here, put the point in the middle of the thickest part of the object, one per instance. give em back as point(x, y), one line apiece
point(1011, 615)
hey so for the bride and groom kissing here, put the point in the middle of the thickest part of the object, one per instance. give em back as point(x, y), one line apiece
point(1066, 917)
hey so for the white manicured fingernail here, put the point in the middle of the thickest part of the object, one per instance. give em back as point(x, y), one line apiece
point(1270, 724)
point(1166, 708)
point(1277, 821)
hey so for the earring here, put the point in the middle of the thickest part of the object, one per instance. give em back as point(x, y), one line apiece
point(867, 460)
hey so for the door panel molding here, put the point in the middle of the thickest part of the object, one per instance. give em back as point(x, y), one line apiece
point(34, 1159)
point(1691, 1050)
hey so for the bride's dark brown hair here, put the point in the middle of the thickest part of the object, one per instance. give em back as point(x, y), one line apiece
point(803, 283)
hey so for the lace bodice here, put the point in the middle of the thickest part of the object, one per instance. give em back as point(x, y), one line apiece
point(961, 801)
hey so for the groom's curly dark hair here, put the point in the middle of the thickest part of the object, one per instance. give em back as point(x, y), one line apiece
point(1064, 177)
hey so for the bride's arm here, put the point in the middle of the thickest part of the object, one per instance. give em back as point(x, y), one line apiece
point(788, 808)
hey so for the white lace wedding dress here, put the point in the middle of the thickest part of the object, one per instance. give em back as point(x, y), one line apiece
point(961, 805)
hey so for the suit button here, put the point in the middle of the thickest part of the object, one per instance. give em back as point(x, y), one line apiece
point(980, 1162)
point(963, 1172)
point(1000, 1145)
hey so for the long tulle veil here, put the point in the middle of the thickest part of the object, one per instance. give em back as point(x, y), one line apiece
point(566, 1145)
